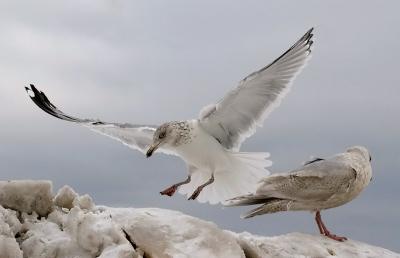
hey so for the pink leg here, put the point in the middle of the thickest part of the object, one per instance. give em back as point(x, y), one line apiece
point(318, 220)
point(200, 188)
point(323, 229)
point(172, 189)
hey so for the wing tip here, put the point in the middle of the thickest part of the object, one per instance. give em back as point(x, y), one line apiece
point(246, 216)
point(307, 39)
point(41, 100)
point(30, 90)
point(310, 31)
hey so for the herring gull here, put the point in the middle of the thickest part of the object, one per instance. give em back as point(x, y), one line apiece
point(318, 185)
point(210, 144)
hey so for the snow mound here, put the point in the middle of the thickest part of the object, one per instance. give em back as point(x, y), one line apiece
point(65, 197)
point(305, 245)
point(35, 224)
point(166, 233)
point(27, 196)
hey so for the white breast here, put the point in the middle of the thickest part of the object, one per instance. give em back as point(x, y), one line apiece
point(203, 151)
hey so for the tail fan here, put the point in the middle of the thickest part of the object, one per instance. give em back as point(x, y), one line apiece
point(239, 178)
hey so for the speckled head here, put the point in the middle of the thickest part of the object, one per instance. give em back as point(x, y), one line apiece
point(170, 134)
point(362, 151)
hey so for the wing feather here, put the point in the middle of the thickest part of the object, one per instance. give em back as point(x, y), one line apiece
point(137, 137)
point(315, 181)
point(237, 115)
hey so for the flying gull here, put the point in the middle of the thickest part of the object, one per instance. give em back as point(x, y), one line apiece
point(318, 185)
point(210, 144)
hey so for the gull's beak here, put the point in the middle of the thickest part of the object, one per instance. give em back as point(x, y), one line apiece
point(151, 149)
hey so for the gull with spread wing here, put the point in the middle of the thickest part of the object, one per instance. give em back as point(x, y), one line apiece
point(319, 184)
point(210, 144)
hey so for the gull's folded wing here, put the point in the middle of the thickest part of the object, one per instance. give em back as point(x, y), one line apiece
point(318, 181)
point(236, 116)
point(137, 137)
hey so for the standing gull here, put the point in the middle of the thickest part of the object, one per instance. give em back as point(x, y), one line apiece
point(210, 144)
point(318, 185)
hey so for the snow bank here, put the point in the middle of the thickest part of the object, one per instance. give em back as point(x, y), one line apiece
point(34, 224)
point(306, 245)
point(166, 233)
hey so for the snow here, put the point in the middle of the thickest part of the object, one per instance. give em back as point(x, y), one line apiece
point(166, 233)
point(84, 202)
point(27, 196)
point(306, 246)
point(34, 224)
point(9, 226)
point(65, 197)
point(9, 248)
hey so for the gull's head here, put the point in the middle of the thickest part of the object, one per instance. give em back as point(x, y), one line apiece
point(362, 151)
point(164, 135)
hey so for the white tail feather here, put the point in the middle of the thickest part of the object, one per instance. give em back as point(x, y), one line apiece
point(240, 177)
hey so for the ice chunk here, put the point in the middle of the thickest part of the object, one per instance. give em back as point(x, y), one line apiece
point(166, 233)
point(65, 197)
point(9, 227)
point(9, 248)
point(27, 196)
point(84, 202)
point(120, 251)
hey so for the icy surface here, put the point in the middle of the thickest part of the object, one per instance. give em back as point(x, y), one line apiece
point(27, 196)
point(305, 245)
point(65, 197)
point(166, 233)
point(72, 226)
point(9, 227)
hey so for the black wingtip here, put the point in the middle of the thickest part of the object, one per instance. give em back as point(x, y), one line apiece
point(305, 40)
point(33, 88)
point(309, 32)
point(31, 91)
point(41, 100)
point(308, 35)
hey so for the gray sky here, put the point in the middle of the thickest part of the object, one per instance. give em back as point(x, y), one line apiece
point(150, 62)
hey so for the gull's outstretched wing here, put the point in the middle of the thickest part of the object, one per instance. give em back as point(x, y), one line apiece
point(236, 116)
point(137, 137)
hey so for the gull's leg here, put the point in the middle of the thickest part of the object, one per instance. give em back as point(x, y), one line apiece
point(318, 220)
point(324, 231)
point(172, 189)
point(200, 188)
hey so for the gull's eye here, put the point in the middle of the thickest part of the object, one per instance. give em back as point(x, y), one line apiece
point(370, 158)
point(161, 135)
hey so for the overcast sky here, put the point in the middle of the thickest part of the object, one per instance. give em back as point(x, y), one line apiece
point(151, 62)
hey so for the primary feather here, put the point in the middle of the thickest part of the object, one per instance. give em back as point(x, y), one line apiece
point(236, 116)
point(209, 144)
point(137, 137)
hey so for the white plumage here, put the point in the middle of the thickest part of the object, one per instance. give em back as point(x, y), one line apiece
point(210, 144)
